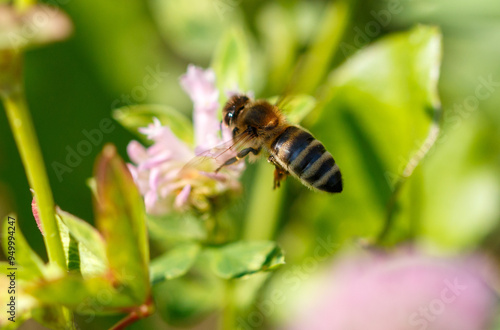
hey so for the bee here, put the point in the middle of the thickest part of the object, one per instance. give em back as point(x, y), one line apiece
point(292, 150)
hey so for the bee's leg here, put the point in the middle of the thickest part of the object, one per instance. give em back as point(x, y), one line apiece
point(280, 173)
point(239, 156)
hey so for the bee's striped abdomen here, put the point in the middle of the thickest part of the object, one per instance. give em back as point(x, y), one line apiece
point(305, 157)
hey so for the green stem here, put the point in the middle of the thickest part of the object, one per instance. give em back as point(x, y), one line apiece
point(260, 224)
point(141, 312)
point(262, 219)
point(31, 156)
point(229, 314)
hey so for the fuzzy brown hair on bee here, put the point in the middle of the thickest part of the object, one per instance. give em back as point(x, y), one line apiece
point(292, 150)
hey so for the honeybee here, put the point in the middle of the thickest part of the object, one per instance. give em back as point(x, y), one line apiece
point(292, 150)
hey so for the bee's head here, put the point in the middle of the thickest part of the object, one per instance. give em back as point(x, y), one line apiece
point(233, 108)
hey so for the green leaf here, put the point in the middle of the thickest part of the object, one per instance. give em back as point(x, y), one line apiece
point(54, 317)
point(30, 268)
point(69, 244)
point(83, 233)
point(28, 263)
point(91, 247)
point(378, 110)
point(174, 263)
point(74, 292)
point(231, 62)
point(136, 116)
point(90, 265)
point(176, 227)
point(121, 221)
point(457, 214)
point(189, 297)
point(73, 255)
point(245, 257)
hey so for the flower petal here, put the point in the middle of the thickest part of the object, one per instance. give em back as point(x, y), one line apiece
point(182, 198)
point(200, 86)
point(136, 152)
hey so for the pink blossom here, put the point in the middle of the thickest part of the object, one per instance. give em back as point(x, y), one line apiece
point(166, 174)
point(200, 86)
point(401, 291)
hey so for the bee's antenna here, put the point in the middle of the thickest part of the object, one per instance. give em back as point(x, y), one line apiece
point(221, 130)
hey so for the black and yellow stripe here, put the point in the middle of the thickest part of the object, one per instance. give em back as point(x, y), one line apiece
point(305, 157)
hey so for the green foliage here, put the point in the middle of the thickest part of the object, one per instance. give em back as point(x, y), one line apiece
point(121, 218)
point(176, 227)
point(29, 269)
point(30, 265)
point(378, 112)
point(72, 290)
point(96, 272)
point(322, 50)
point(174, 263)
point(244, 258)
point(70, 246)
point(192, 28)
point(231, 63)
point(188, 298)
point(90, 244)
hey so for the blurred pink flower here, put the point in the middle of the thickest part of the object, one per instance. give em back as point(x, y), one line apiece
point(401, 291)
point(160, 171)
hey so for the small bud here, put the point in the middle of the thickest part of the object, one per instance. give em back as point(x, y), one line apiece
point(35, 211)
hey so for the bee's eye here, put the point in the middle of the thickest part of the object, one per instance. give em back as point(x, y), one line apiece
point(228, 118)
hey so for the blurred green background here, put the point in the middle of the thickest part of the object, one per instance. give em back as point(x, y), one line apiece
point(371, 116)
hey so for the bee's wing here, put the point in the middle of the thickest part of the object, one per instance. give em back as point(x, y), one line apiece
point(213, 158)
point(283, 101)
point(291, 102)
point(294, 107)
